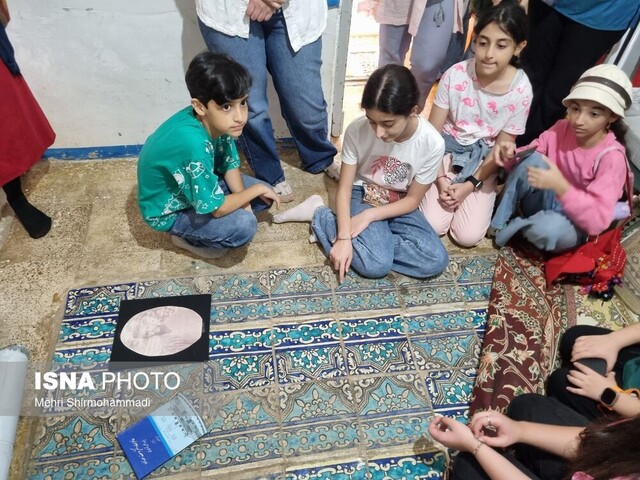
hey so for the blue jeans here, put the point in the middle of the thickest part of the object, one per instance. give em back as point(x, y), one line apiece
point(429, 49)
point(543, 223)
point(298, 83)
point(405, 244)
point(233, 230)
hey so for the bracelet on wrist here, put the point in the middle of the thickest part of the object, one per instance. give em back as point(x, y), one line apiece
point(343, 238)
point(475, 450)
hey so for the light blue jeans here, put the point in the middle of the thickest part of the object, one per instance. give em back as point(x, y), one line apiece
point(543, 222)
point(231, 231)
point(405, 244)
point(429, 49)
point(298, 83)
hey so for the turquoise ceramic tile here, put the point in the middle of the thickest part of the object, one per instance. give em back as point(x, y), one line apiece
point(443, 351)
point(392, 431)
point(382, 396)
point(353, 281)
point(384, 299)
point(302, 306)
point(226, 342)
point(318, 437)
point(87, 328)
point(414, 467)
point(235, 372)
point(369, 328)
point(356, 470)
point(81, 358)
point(258, 449)
point(317, 400)
point(75, 435)
point(446, 321)
point(314, 280)
point(98, 300)
point(478, 292)
point(436, 295)
point(236, 287)
point(477, 269)
point(451, 387)
point(454, 411)
point(95, 467)
point(242, 311)
point(167, 288)
point(310, 362)
point(373, 357)
point(242, 411)
point(308, 333)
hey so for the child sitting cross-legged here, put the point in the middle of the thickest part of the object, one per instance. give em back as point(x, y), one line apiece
point(390, 158)
point(569, 188)
point(189, 182)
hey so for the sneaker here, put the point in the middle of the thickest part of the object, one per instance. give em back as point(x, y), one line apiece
point(200, 251)
point(333, 170)
point(284, 191)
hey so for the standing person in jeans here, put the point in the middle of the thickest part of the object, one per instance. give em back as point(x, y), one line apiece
point(426, 26)
point(282, 39)
point(566, 39)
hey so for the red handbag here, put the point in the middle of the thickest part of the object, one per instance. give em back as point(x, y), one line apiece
point(599, 263)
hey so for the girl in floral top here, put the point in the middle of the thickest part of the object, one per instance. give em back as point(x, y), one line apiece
point(479, 102)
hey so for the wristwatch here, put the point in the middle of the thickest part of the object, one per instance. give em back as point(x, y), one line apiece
point(477, 184)
point(609, 396)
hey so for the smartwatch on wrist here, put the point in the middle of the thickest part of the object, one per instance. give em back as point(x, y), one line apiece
point(477, 184)
point(609, 397)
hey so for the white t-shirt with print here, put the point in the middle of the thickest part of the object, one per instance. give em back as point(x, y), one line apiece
point(475, 114)
point(393, 165)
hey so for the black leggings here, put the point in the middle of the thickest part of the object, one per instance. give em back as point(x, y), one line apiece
point(557, 385)
point(531, 461)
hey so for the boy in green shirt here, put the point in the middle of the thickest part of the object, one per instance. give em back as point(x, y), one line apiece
point(189, 182)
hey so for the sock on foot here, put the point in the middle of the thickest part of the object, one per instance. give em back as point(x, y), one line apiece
point(300, 213)
point(35, 222)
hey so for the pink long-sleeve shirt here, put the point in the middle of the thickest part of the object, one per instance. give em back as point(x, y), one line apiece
point(590, 201)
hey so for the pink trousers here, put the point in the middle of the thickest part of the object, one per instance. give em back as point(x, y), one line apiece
point(468, 223)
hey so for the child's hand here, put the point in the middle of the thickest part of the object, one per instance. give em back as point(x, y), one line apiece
point(596, 346)
point(452, 434)
point(548, 178)
point(457, 193)
point(589, 383)
point(340, 257)
point(495, 429)
point(270, 196)
point(360, 221)
point(503, 152)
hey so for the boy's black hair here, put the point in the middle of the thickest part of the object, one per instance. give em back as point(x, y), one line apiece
point(510, 17)
point(391, 89)
point(217, 77)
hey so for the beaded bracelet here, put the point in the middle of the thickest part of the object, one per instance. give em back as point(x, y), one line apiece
point(475, 450)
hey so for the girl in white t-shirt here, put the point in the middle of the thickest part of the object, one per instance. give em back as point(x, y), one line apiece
point(479, 102)
point(390, 157)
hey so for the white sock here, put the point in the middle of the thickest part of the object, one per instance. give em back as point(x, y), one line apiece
point(300, 213)
point(200, 251)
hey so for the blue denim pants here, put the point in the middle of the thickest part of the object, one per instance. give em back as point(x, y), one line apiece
point(429, 49)
point(543, 222)
point(298, 83)
point(233, 230)
point(405, 244)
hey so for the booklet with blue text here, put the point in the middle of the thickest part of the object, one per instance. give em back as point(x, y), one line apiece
point(161, 435)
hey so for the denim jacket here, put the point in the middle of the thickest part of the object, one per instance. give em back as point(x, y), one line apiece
point(465, 159)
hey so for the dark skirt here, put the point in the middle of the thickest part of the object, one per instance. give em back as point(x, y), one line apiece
point(25, 132)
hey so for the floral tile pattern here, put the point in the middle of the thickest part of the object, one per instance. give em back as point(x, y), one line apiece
point(306, 378)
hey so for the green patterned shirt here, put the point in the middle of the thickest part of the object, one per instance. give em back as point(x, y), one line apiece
point(179, 167)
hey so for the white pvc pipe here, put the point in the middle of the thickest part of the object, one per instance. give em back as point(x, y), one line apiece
point(13, 371)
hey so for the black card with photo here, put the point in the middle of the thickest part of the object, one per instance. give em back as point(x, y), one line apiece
point(164, 330)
